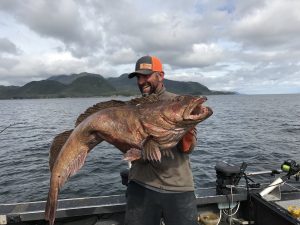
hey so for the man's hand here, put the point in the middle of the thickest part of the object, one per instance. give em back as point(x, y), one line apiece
point(188, 142)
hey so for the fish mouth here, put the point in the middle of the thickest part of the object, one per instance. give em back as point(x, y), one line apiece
point(196, 111)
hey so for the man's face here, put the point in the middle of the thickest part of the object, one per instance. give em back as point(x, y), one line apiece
point(148, 84)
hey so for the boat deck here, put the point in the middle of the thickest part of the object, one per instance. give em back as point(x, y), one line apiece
point(96, 210)
point(110, 210)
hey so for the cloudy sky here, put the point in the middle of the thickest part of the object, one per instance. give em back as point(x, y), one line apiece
point(251, 46)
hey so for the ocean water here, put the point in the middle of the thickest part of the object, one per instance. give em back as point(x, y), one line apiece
point(261, 130)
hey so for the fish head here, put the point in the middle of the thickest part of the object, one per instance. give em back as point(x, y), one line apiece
point(187, 110)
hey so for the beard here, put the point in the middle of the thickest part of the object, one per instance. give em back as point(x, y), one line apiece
point(147, 89)
point(150, 85)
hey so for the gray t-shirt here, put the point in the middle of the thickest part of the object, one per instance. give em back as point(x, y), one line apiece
point(171, 174)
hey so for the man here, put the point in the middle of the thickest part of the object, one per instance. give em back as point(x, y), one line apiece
point(161, 189)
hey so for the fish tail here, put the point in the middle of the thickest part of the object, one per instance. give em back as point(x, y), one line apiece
point(51, 205)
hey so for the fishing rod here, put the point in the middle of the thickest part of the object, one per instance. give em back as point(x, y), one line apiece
point(291, 168)
point(10, 125)
point(228, 177)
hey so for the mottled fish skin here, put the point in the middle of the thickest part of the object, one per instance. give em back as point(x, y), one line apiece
point(148, 125)
point(68, 163)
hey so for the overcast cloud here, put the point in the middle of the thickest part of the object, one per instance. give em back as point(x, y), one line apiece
point(248, 46)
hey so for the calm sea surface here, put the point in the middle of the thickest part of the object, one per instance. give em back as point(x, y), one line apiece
point(262, 130)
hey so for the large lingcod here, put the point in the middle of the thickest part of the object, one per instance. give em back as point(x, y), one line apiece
point(146, 125)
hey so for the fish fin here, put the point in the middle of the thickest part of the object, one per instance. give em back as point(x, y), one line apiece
point(51, 205)
point(145, 100)
point(96, 108)
point(168, 153)
point(115, 103)
point(132, 154)
point(151, 150)
point(56, 146)
point(73, 167)
point(74, 164)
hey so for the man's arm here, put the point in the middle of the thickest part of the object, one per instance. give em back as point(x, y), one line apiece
point(188, 142)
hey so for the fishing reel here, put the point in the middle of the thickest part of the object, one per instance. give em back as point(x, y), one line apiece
point(272, 192)
point(291, 168)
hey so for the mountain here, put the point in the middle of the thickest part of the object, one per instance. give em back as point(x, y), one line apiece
point(68, 79)
point(125, 85)
point(34, 89)
point(89, 85)
point(5, 91)
point(192, 88)
point(86, 86)
point(41, 88)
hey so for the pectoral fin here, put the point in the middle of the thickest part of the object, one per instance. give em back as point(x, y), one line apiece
point(132, 154)
point(168, 153)
point(150, 150)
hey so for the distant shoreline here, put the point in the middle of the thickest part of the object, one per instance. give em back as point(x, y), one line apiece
point(90, 85)
point(134, 96)
point(96, 96)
